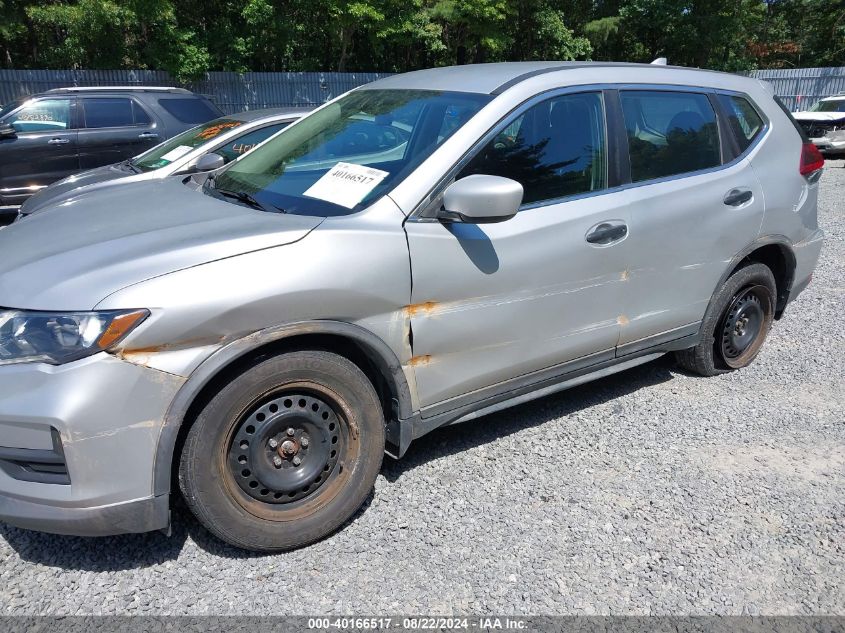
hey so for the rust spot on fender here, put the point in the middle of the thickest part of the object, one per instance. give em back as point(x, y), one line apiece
point(625, 276)
point(419, 361)
point(622, 320)
point(417, 309)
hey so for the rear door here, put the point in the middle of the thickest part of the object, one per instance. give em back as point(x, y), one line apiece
point(694, 202)
point(43, 150)
point(113, 129)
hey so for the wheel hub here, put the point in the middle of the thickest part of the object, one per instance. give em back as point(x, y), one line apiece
point(743, 323)
point(285, 449)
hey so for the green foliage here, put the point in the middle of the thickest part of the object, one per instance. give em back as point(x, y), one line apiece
point(191, 37)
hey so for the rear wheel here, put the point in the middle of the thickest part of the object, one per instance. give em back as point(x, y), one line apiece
point(285, 453)
point(736, 323)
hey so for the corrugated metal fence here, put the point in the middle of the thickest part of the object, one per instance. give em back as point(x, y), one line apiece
point(799, 88)
point(232, 92)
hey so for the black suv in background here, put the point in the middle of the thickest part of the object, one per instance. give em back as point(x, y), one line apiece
point(48, 136)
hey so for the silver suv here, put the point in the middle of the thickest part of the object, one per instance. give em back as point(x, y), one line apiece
point(419, 252)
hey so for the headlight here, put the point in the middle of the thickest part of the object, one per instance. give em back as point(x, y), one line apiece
point(56, 338)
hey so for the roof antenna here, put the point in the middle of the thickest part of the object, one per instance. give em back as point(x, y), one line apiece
point(660, 61)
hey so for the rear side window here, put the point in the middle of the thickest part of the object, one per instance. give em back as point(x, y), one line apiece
point(241, 145)
point(744, 121)
point(189, 110)
point(669, 133)
point(554, 149)
point(108, 112)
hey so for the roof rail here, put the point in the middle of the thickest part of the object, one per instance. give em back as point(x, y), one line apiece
point(119, 89)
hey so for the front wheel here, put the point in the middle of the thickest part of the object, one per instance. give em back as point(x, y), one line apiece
point(285, 453)
point(736, 324)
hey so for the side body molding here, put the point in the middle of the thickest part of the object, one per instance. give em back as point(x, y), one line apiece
point(398, 430)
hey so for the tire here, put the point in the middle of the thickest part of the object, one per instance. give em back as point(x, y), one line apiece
point(749, 295)
point(257, 486)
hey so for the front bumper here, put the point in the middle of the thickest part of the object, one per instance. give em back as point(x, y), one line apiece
point(143, 515)
point(828, 144)
point(107, 414)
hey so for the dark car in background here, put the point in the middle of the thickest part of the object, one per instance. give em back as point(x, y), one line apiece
point(48, 136)
point(205, 147)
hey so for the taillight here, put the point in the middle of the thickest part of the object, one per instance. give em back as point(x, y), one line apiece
point(811, 160)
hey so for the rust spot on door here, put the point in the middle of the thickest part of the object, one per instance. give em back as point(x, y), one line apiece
point(419, 361)
point(622, 320)
point(417, 309)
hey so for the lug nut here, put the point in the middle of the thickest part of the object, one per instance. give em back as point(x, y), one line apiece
point(297, 461)
point(277, 461)
point(291, 432)
point(303, 442)
point(273, 443)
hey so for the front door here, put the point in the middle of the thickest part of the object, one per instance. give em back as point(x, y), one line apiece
point(493, 302)
point(43, 150)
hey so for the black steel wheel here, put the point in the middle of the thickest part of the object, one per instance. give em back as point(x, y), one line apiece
point(742, 325)
point(286, 448)
point(285, 453)
point(736, 323)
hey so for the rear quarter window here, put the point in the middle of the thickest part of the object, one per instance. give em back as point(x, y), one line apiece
point(745, 123)
point(189, 110)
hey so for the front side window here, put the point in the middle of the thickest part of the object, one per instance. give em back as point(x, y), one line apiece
point(240, 145)
point(173, 149)
point(348, 154)
point(554, 149)
point(669, 133)
point(108, 112)
point(42, 115)
point(743, 119)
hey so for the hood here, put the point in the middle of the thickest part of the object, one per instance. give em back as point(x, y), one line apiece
point(73, 256)
point(69, 187)
point(819, 116)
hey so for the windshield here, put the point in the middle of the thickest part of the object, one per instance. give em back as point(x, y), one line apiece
point(832, 105)
point(347, 155)
point(9, 107)
point(178, 146)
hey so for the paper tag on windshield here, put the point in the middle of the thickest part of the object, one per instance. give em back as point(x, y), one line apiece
point(176, 152)
point(346, 184)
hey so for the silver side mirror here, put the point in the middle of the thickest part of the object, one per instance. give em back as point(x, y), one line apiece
point(481, 199)
point(209, 162)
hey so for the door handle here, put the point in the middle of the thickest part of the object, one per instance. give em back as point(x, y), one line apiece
point(147, 135)
point(606, 233)
point(58, 141)
point(738, 197)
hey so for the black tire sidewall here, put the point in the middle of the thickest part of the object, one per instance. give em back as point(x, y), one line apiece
point(749, 275)
point(203, 484)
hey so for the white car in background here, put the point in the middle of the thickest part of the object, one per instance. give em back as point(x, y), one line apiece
point(824, 124)
point(203, 148)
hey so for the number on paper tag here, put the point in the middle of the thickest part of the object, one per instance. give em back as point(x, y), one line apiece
point(346, 184)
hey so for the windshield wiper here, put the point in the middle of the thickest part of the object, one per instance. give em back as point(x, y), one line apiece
point(127, 164)
point(249, 200)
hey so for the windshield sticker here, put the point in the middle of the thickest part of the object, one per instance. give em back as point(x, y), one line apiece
point(216, 129)
point(176, 152)
point(346, 184)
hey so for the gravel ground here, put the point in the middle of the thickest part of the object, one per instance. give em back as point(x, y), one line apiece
point(651, 492)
